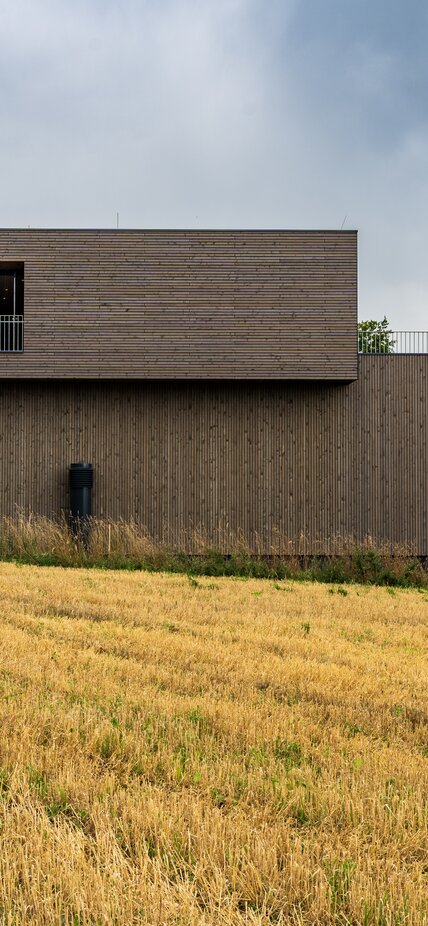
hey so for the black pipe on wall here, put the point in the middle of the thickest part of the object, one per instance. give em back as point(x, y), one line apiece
point(81, 477)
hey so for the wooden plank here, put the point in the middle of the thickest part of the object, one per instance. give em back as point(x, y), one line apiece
point(306, 465)
point(266, 305)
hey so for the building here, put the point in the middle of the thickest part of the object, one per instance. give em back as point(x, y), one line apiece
point(213, 380)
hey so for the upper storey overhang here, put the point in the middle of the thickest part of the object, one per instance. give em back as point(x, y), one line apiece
point(265, 305)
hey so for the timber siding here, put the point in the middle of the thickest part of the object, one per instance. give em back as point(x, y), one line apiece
point(309, 464)
point(265, 305)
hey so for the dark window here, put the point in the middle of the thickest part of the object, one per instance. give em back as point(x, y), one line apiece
point(11, 306)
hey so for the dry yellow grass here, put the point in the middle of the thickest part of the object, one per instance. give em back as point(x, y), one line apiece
point(211, 752)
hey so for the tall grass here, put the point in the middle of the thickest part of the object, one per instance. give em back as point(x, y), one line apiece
point(126, 545)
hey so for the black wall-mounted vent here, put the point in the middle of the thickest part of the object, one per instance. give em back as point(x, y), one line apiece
point(81, 476)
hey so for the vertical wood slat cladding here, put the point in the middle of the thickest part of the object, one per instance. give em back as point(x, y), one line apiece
point(312, 464)
point(186, 304)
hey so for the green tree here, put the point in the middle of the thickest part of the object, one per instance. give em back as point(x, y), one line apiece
point(375, 337)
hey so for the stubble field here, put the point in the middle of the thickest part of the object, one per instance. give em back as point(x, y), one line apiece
point(178, 751)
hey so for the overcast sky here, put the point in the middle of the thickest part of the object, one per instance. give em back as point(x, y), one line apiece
point(225, 114)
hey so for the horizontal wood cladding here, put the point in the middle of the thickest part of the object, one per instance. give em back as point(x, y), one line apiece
point(186, 304)
point(304, 466)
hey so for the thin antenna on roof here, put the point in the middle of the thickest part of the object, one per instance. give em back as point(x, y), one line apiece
point(343, 222)
point(117, 220)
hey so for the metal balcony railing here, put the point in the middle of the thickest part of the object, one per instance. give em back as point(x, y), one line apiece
point(11, 334)
point(393, 342)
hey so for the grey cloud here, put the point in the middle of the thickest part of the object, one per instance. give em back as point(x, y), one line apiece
point(225, 113)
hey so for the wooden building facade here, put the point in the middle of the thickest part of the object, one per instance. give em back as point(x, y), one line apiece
point(223, 392)
point(184, 305)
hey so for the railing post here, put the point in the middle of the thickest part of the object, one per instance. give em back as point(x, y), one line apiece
point(393, 342)
point(11, 334)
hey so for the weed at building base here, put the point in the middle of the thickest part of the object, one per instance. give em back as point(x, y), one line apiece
point(37, 540)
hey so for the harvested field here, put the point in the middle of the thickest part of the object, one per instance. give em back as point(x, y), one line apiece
point(181, 751)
